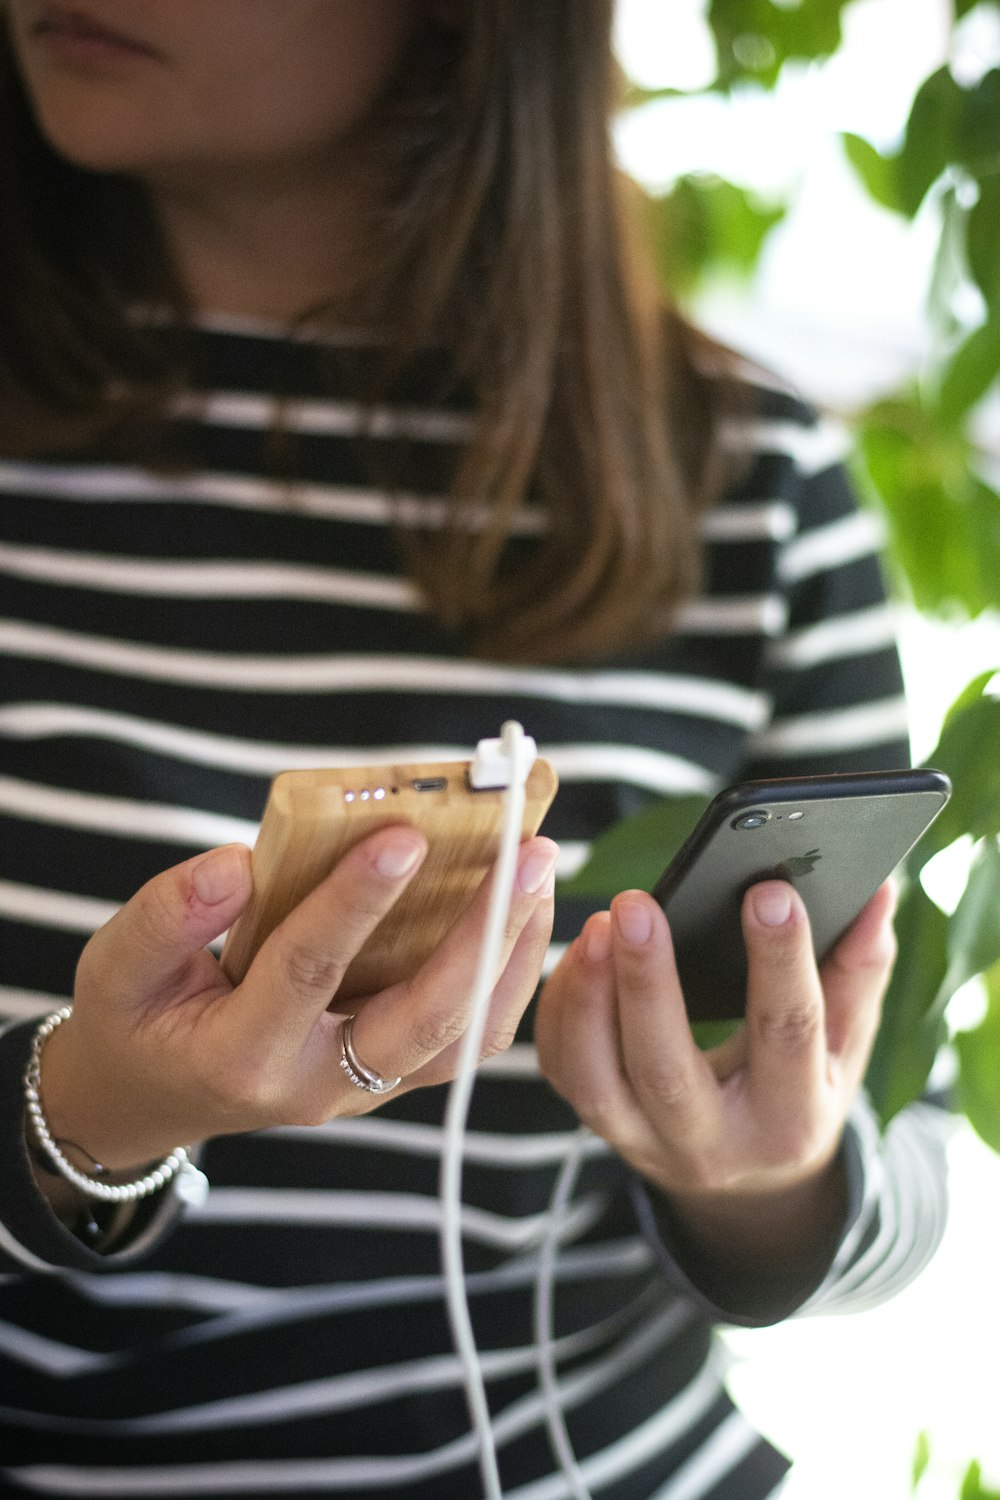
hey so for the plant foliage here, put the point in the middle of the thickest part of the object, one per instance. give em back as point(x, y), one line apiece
point(921, 461)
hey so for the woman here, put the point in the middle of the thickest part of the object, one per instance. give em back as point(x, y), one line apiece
point(340, 423)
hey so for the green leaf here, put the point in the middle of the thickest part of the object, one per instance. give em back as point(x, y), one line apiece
point(930, 142)
point(968, 751)
point(921, 1458)
point(950, 271)
point(978, 1053)
point(909, 1036)
point(709, 1034)
point(977, 134)
point(973, 1487)
point(970, 694)
point(705, 226)
point(920, 468)
point(878, 173)
point(974, 928)
point(944, 521)
point(635, 851)
point(983, 242)
point(971, 372)
point(635, 95)
point(755, 38)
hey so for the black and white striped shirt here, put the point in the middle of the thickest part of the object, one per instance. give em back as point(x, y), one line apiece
point(173, 636)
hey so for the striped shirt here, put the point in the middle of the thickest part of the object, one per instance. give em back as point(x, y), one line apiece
point(172, 636)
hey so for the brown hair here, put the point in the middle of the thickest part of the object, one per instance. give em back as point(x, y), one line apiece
point(512, 237)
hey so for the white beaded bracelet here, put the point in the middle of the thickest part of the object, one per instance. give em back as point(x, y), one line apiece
point(191, 1183)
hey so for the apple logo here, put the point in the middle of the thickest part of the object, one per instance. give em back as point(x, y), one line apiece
point(797, 864)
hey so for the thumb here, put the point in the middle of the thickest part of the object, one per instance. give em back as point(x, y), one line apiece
point(144, 948)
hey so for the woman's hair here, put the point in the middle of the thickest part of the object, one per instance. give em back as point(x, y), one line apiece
point(511, 237)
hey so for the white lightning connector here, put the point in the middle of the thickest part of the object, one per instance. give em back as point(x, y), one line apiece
point(491, 768)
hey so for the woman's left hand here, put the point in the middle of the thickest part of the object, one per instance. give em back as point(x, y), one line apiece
point(743, 1139)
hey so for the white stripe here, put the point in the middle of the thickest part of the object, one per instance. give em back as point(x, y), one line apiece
point(326, 418)
point(363, 1387)
point(856, 634)
point(632, 764)
point(852, 537)
point(240, 1309)
point(573, 855)
point(121, 816)
point(35, 721)
point(518, 1061)
point(838, 729)
point(910, 1204)
point(399, 1212)
point(378, 673)
point(11, 1246)
point(379, 1474)
point(728, 1445)
point(208, 580)
point(572, 762)
point(763, 614)
point(20, 1253)
point(112, 483)
point(28, 1005)
point(240, 1305)
point(547, 1148)
point(553, 954)
point(812, 449)
point(772, 520)
point(45, 720)
point(640, 1445)
point(653, 769)
point(250, 325)
point(59, 909)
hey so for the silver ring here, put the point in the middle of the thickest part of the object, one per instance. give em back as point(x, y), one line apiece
point(361, 1076)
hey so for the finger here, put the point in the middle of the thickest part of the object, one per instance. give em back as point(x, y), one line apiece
point(576, 1032)
point(411, 1024)
point(786, 1034)
point(298, 969)
point(855, 977)
point(145, 950)
point(510, 999)
point(668, 1074)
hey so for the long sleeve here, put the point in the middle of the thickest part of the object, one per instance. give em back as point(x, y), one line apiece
point(31, 1236)
point(895, 1218)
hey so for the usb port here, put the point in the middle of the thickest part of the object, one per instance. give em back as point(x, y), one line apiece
point(430, 784)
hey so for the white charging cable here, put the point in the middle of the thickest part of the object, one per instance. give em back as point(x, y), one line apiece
point(559, 1439)
point(510, 759)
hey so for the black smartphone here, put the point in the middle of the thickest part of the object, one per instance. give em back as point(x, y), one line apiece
point(834, 838)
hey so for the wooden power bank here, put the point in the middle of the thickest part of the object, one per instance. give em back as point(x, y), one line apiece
point(311, 820)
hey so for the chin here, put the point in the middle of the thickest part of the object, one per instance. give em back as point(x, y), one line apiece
point(91, 127)
point(86, 141)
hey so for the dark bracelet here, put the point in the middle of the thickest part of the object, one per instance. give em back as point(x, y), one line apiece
point(87, 1223)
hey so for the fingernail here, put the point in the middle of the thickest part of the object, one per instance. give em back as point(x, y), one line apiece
point(634, 921)
point(219, 874)
point(597, 941)
point(536, 871)
point(398, 857)
point(772, 904)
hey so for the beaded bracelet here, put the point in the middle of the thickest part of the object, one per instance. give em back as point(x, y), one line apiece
point(191, 1183)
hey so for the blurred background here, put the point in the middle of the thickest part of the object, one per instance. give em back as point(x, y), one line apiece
point(824, 185)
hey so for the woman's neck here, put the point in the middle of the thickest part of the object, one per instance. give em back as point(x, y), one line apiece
point(272, 250)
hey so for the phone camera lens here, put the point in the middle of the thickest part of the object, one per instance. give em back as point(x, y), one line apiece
point(751, 819)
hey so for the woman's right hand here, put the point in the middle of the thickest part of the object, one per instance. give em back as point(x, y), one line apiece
point(162, 1050)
